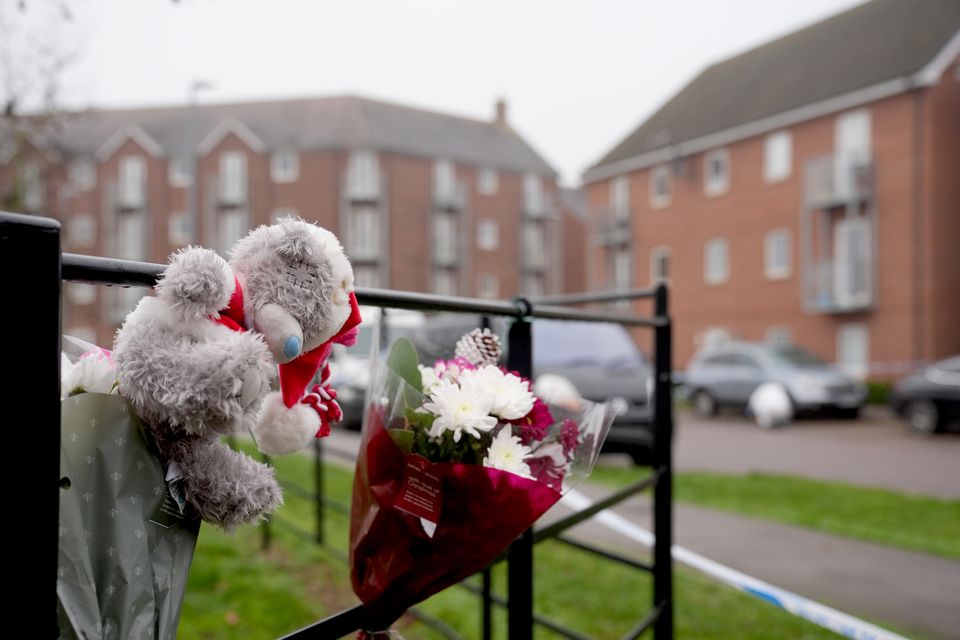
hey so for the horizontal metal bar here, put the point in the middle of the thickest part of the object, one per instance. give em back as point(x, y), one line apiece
point(110, 271)
point(574, 519)
point(644, 624)
point(598, 296)
point(603, 553)
point(336, 626)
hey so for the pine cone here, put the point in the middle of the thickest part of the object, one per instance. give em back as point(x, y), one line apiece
point(479, 347)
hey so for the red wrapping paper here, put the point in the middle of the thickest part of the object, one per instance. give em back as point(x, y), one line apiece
point(394, 563)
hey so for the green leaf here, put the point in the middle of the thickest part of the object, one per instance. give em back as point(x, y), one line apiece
point(403, 361)
point(403, 439)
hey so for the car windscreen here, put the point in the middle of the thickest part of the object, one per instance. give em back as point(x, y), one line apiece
point(559, 344)
point(796, 356)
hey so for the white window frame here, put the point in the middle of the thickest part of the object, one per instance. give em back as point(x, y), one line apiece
point(232, 224)
point(534, 203)
point(488, 234)
point(660, 200)
point(777, 267)
point(716, 184)
point(233, 177)
point(446, 240)
point(363, 232)
point(535, 244)
point(82, 230)
point(488, 181)
point(83, 174)
point(445, 282)
point(853, 261)
point(488, 286)
point(366, 275)
point(620, 262)
point(132, 182)
point(285, 166)
point(363, 174)
point(716, 261)
point(444, 181)
point(179, 229)
point(620, 197)
point(854, 337)
point(178, 173)
point(656, 255)
point(777, 156)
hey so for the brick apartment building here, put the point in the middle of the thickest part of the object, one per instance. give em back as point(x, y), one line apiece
point(805, 190)
point(422, 201)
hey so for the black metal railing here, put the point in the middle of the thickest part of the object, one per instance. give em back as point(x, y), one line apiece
point(32, 269)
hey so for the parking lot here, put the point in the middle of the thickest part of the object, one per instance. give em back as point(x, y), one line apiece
point(875, 450)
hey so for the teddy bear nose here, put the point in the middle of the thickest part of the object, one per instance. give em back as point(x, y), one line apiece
point(291, 348)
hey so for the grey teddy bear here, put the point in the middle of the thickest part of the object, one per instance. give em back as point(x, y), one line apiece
point(196, 360)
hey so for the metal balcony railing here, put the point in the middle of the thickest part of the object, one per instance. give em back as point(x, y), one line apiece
point(837, 180)
point(611, 227)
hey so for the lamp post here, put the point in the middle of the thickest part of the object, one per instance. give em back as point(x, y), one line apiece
point(189, 158)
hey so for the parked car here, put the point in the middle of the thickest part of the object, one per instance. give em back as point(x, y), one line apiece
point(728, 373)
point(599, 360)
point(929, 399)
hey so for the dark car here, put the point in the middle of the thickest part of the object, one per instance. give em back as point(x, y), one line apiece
point(600, 360)
point(929, 400)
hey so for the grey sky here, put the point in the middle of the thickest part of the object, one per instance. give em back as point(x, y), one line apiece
point(577, 75)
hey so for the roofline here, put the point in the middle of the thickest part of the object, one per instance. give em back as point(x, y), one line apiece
point(124, 133)
point(927, 76)
point(226, 127)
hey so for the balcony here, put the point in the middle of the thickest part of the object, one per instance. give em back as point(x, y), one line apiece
point(842, 281)
point(611, 227)
point(452, 198)
point(838, 180)
point(361, 190)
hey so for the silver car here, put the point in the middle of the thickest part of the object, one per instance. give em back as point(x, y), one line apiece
point(727, 374)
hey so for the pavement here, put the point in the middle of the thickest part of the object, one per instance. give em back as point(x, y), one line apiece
point(916, 592)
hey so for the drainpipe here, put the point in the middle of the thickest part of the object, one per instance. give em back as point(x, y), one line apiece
point(916, 228)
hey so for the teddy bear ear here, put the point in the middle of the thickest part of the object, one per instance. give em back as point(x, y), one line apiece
point(197, 283)
point(295, 242)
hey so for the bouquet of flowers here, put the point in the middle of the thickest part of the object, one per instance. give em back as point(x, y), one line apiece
point(457, 460)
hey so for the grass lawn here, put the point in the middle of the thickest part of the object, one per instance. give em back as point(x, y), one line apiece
point(238, 591)
point(917, 523)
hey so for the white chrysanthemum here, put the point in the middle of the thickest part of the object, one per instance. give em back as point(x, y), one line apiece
point(93, 373)
point(458, 410)
point(512, 397)
point(507, 454)
point(429, 378)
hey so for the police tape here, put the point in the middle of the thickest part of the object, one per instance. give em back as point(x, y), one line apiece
point(822, 615)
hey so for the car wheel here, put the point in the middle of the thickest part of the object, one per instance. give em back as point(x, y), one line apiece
point(922, 416)
point(703, 404)
point(848, 413)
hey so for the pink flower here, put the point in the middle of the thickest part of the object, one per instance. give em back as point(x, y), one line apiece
point(533, 426)
point(545, 471)
point(569, 436)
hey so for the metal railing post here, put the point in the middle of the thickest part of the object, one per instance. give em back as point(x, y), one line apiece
point(486, 621)
point(663, 492)
point(265, 525)
point(318, 486)
point(30, 268)
point(520, 556)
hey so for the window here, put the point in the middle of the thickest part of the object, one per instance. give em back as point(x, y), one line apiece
point(34, 189)
point(659, 265)
point(853, 262)
point(533, 285)
point(619, 263)
point(853, 349)
point(488, 286)
point(778, 336)
point(445, 282)
point(82, 230)
point(363, 175)
point(363, 232)
point(131, 236)
point(660, 186)
point(444, 182)
point(488, 182)
point(620, 197)
point(445, 245)
point(282, 212)
point(488, 234)
point(533, 204)
point(133, 179)
point(179, 172)
point(83, 174)
point(180, 229)
point(776, 254)
point(852, 150)
point(534, 245)
point(232, 225)
point(777, 156)
point(366, 275)
point(716, 267)
point(233, 177)
point(285, 166)
point(81, 294)
point(716, 172)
